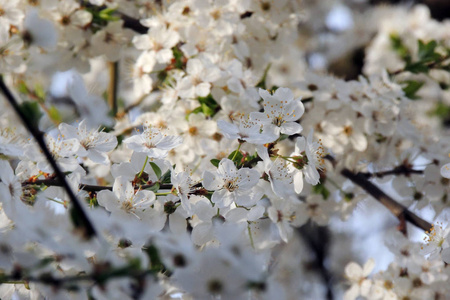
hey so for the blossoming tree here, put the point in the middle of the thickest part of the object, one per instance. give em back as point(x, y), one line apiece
point(193, 150)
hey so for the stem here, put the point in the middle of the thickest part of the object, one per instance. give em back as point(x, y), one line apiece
point(143, 167)
point(56, 201)
point(112, 86)
point(91, 188)
point(78, 211)
point(236, 152)
point(250, 236)
point(287, 158)
point(163, 194)
point(67, 282)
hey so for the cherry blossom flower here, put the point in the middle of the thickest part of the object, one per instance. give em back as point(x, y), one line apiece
point(246, 129)
point(310, 157)
point(197, 82)
point(62, 150)
point(90, 107)
point(153, 142)
point(436, 240)
point(10, 190)
point(285, 213)
point(360, 285)
point(281, 179)
point(445, 170)
point(126, 204)
point(281, 111)
point(159, 41)
point(93, 144)
point(109, 40)
point(230, 184)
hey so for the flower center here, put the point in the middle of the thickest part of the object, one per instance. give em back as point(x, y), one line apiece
point(231, 185)
point(278, 121)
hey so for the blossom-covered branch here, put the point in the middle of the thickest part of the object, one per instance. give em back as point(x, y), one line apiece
point(93, 188)
point(78, 210)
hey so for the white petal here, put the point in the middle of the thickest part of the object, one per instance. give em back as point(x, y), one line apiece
point(202, 233)
point(291, 128)
point(358, 141)
point(177, 223)
point(368, 267)
point(284, 94)
point(353, 271)
point(445, 170)
point(298, 181)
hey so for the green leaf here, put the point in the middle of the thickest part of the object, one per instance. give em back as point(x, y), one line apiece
point(417, 67)
point(283, 137)
point(166, 178)
point(156, 263)
point(208, 100)
point(154, 188)
point(39, 91)
point(195, 111)
point(107, 14)
point(236, 156)
point(321, 190)
point(32, 112)
point(178, 55)
point(427, 51)
point(215, 162)
point(54, 114)
point(441, 110)
point(22, 87)
point(208, 105)
point(156, 169)
point(207, 111)
point(400, 48)
point(411, 88)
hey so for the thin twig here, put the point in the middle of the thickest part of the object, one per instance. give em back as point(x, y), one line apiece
point(92, 188)
point(81, 218)
point(400, 170)
point(68, 281)
point(394, 207)
point(112, 86)
point(317, 239)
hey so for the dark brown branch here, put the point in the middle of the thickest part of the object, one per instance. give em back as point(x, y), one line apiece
point(78, 214)
point(67, 282)
point(133, 24)
point(112, 86)
point(128, 22)
point(318, 240)
point(91, 188)
point(395, 208)
point(400, 170)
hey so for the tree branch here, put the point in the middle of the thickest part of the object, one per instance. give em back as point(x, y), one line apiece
point(91, 188)
point(318, 240)
point(396, 208)
point(97, 277)
point(400, 170)
point(133, 24)
point(112, 86)
point(78, 214)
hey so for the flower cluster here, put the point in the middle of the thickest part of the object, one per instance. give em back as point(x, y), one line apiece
point(191, 155)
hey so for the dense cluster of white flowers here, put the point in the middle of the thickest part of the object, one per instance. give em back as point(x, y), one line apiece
point(200, 148)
